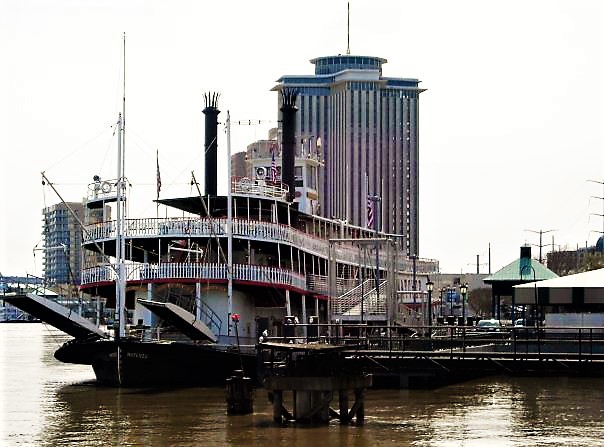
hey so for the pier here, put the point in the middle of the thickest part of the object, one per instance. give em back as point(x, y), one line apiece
point(314, 374)
point(445, 354)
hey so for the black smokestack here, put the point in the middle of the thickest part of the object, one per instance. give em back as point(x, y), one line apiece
point(211, 144)
point(288, 140)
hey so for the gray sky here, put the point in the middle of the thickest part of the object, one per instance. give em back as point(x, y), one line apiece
point(510, 127)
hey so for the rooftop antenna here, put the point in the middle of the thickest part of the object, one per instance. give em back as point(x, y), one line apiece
point(348, 33)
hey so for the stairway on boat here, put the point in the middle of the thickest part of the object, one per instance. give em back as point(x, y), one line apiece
point(372, 302)
point(364, 297)
point(179, 311)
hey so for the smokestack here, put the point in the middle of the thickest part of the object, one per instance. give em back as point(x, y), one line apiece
point(288, 140)
point(525, 261)
point(211, 144)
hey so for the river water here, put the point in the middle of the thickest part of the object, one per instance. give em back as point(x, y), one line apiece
point(46, 403)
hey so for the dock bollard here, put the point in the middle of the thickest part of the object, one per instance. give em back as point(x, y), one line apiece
point(239, 394)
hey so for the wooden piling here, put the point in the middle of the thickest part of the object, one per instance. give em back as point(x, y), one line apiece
point(239, 394)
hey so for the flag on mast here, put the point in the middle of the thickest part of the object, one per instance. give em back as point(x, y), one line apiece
point(370, 213)
point(273, 168)
point(158, 179)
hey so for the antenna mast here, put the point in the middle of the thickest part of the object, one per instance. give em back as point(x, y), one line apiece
point(348, 33)
point(124, 109)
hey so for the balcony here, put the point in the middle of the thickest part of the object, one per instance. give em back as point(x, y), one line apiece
point(183, 228)
point(191, 272)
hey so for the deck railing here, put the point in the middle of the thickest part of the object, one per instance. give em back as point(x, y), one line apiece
point(350, 302)
point(196, 271)
point(182, 228)
point(577, 343)
point(246, 186)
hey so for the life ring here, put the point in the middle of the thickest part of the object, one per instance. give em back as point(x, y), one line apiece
point(245, 184)
point(106, 187)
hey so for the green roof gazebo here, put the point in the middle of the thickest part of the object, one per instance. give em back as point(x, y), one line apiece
point(522, 270)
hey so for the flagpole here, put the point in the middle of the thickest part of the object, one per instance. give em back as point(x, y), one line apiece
point(158, 183)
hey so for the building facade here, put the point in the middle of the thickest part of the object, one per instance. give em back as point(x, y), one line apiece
point(62, 243)
point(364, 126)
point(62, 237)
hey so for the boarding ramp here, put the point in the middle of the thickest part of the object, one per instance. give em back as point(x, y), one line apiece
point(54, 314)
point(181, 319)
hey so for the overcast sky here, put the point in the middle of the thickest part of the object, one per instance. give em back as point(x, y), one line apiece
point(510, 124)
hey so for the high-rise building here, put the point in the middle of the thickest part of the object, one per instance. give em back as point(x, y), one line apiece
point(365, 126)
point(62, 236)
point(62, 243)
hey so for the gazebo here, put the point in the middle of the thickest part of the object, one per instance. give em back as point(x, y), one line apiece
point(522, 270)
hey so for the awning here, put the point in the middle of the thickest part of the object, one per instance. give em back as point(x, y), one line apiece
point(581, 288)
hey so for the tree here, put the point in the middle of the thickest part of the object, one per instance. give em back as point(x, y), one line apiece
point(480, 300)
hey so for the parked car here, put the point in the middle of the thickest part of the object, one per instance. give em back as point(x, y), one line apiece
point(491, 325)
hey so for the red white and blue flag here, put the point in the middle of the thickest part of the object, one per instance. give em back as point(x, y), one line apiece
point(370, 213)
point(158, 176)
point(273, 168)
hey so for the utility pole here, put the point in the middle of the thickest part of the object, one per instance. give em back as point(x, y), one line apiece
point(602, 199)
point(541, 233)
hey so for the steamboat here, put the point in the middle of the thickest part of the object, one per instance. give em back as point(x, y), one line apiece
point(191, 295)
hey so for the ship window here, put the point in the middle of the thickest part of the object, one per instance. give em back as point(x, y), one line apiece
point(299, 180)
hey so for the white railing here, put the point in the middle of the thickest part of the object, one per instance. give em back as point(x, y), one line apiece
point(243, 228)
point(196, 271)
point(247, 186)
point(350, 302)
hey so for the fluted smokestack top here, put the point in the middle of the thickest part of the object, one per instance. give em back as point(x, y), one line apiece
point(288, 140)
point(288, 98)
point(211, 144)
point(211, 100)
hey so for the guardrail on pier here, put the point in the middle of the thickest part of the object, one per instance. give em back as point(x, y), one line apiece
point(576, 343)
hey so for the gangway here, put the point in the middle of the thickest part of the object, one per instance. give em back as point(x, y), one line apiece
point(54, 314)
point(183, 320)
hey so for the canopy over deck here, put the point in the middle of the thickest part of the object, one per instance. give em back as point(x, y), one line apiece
point(582, 288)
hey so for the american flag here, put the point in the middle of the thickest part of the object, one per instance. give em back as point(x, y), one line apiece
point(158, 175)
point(369, 213)
point(273, 168)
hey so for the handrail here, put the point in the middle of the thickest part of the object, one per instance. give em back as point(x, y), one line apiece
point(565, 343)
point(184, 227)
point(196, 271)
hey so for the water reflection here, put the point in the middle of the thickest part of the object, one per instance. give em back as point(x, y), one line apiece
point(508, 412)
point(50, 404)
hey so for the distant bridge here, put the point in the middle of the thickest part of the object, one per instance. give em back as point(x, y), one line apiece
point(29, 279)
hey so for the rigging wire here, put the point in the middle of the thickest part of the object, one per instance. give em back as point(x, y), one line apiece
point(70, 154)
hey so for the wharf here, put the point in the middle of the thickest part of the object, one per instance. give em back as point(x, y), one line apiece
point(399, 360)
point(314, 374)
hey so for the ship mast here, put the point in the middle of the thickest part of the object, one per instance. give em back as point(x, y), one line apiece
point(229, 226)
point(120, 245)
point(120, 241)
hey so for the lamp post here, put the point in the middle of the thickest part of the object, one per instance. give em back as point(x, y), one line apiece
point(524, 267)
point(429, 288)
point(463, 289)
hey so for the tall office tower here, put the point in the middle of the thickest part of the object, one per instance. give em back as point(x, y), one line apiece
point(365, 126)
point(62, 244)
point(62, 236)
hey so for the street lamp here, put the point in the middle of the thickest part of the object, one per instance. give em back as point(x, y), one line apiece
point(463, 289)
point(429, 288)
